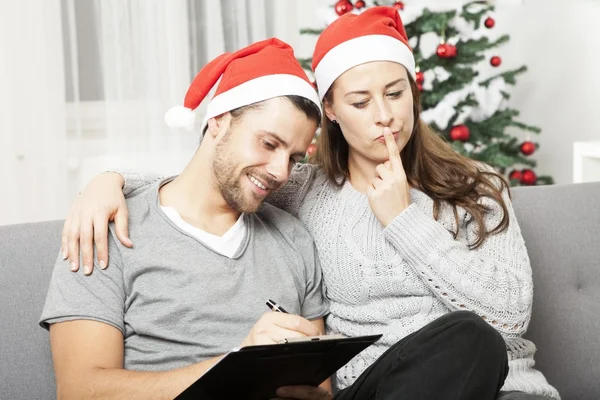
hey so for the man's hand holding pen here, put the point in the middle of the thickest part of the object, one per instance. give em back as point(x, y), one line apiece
point(275, 327)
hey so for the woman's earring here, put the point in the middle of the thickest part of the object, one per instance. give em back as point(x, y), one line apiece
point(333, 121)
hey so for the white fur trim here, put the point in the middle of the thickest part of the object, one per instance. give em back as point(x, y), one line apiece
point(358, 51)
point(180, 117)
point(260, 89)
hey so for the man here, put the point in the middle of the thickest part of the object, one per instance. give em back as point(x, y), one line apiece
point(208, 253)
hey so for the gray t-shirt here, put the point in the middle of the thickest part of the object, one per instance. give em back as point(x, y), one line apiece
point(176, 301)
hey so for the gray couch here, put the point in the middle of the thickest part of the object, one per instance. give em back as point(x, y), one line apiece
point(561, 226)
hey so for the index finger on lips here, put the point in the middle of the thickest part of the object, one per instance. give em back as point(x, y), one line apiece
point(393, 150)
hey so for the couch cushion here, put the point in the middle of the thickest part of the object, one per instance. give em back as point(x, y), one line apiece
point(561, 227)
point(27, 256)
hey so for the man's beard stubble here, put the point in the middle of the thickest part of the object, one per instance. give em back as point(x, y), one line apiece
point(227, 179)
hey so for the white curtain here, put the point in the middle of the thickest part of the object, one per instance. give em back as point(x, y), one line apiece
point(89, 82)
point(129, 61)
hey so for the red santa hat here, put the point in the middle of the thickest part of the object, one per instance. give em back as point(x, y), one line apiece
point(261, 71)
point(376, 34)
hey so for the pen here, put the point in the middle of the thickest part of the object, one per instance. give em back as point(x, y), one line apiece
point(274, 307)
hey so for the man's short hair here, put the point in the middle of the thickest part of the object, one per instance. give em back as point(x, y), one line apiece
point(308, 107)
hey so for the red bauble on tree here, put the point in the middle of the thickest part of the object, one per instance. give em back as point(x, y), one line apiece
point(515, 175)
point(359, 4)
point(528, 177)
point(460, 132)
point(398, 5)
point(419, 79)
point(446, 50)
point(342, 7)
point(495, 61)
point(489, 22)
point(312, 149)
point(527, 148)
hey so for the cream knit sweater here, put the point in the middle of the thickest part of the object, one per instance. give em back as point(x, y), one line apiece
point(395, 280)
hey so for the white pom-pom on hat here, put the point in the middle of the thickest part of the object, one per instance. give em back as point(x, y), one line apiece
point(180, 117)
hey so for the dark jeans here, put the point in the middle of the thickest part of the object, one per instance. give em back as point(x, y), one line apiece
point(457, 356)
point(521, 396)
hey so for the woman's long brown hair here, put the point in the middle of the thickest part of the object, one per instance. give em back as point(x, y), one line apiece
point(431, 165)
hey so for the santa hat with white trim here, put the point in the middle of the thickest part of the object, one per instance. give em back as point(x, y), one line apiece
point(376, 34)
point(259, 72)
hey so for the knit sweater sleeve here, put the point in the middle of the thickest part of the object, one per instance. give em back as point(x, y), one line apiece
point(493, 280)
point(135, 179)
point(291, 195)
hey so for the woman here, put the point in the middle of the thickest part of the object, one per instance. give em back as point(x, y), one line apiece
point(406, 229)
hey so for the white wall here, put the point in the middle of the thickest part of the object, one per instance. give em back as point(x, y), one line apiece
point(32, 116)
point(560, 44)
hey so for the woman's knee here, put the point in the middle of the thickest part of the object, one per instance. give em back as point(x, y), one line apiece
point(480, 334)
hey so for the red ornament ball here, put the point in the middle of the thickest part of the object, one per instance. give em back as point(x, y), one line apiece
point(420, 87)
point(527, 148)
point(515, 175)
point(398, 5)
point(359, 4)
point(312, 149)
point(446, 50)
point(528, 177)
point(489, 22)
point(420, 77)
point(495, 61)
point(460, 132)
point(342, 7)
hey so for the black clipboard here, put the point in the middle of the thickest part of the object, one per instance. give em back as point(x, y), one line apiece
point(255, 372)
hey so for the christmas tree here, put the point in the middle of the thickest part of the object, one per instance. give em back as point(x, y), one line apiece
point(468, 110)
